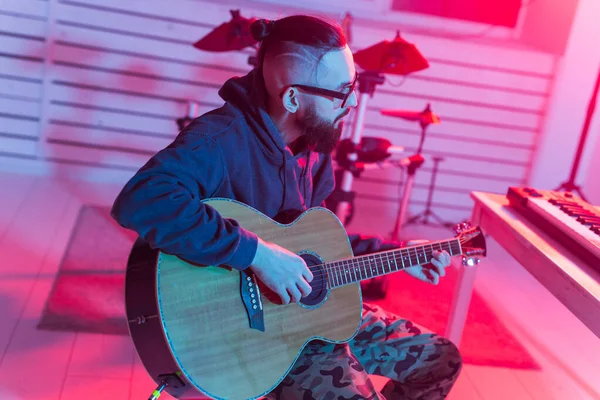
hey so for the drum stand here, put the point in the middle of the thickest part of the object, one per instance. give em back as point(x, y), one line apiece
point(414, 162)
point(343, 197)
point(192, 113)
point(423, 217)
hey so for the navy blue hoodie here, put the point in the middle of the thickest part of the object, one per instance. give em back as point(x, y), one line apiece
point(232, 152)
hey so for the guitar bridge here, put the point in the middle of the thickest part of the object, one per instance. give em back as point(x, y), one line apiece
point(250, 294)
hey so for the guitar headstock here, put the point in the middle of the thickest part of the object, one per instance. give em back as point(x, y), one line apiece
point(472, 242)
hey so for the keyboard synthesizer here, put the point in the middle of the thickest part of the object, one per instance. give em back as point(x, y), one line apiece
point(566, 217)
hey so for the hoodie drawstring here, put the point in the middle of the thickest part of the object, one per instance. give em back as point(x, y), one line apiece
point(284, 181)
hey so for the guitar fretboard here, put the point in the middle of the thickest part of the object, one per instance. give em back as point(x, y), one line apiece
point(344, 272)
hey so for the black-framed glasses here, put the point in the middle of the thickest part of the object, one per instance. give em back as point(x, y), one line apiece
point(344, 96)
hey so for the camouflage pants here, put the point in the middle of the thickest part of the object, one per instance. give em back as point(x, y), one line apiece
point(420, 365)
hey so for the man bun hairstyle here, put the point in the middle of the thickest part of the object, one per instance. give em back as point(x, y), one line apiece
point(261, 29)
point(317, 35)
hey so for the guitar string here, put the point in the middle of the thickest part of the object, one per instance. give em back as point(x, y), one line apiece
point(326, 284)
point(326, 271)
point(392, 254)
point(388, 254)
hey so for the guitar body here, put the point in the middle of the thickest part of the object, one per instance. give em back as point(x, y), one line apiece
point(190, 320)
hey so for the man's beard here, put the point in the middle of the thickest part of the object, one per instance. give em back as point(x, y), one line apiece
point(319, 135)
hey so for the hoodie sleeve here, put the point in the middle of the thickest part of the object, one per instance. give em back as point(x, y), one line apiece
point(163, 204)
point(361, 244)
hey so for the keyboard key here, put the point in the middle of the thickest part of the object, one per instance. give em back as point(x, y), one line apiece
point(588, 220)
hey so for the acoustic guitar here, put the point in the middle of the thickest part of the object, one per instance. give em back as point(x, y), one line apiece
point(212, 331)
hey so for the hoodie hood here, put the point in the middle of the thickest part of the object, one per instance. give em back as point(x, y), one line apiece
point(248, 95)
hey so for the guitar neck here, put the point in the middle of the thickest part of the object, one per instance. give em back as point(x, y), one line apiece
point(361, 268)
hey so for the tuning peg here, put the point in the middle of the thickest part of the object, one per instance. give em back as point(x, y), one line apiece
point(459, 228)
point(470, 261)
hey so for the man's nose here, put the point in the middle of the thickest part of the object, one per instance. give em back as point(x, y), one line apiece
point(352, 100)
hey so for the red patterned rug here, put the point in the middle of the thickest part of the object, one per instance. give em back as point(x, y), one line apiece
point(88, 296)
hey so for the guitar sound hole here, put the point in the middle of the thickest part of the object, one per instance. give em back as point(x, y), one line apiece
point(319, 282)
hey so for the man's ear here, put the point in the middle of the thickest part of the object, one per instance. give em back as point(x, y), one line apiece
point(290, 100)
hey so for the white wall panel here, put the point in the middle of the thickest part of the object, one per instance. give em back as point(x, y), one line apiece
point(118, 74)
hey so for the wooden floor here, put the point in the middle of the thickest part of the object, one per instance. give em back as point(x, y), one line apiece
point(37, 215)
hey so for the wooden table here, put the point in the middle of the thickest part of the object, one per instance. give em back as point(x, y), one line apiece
point(575, 283)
